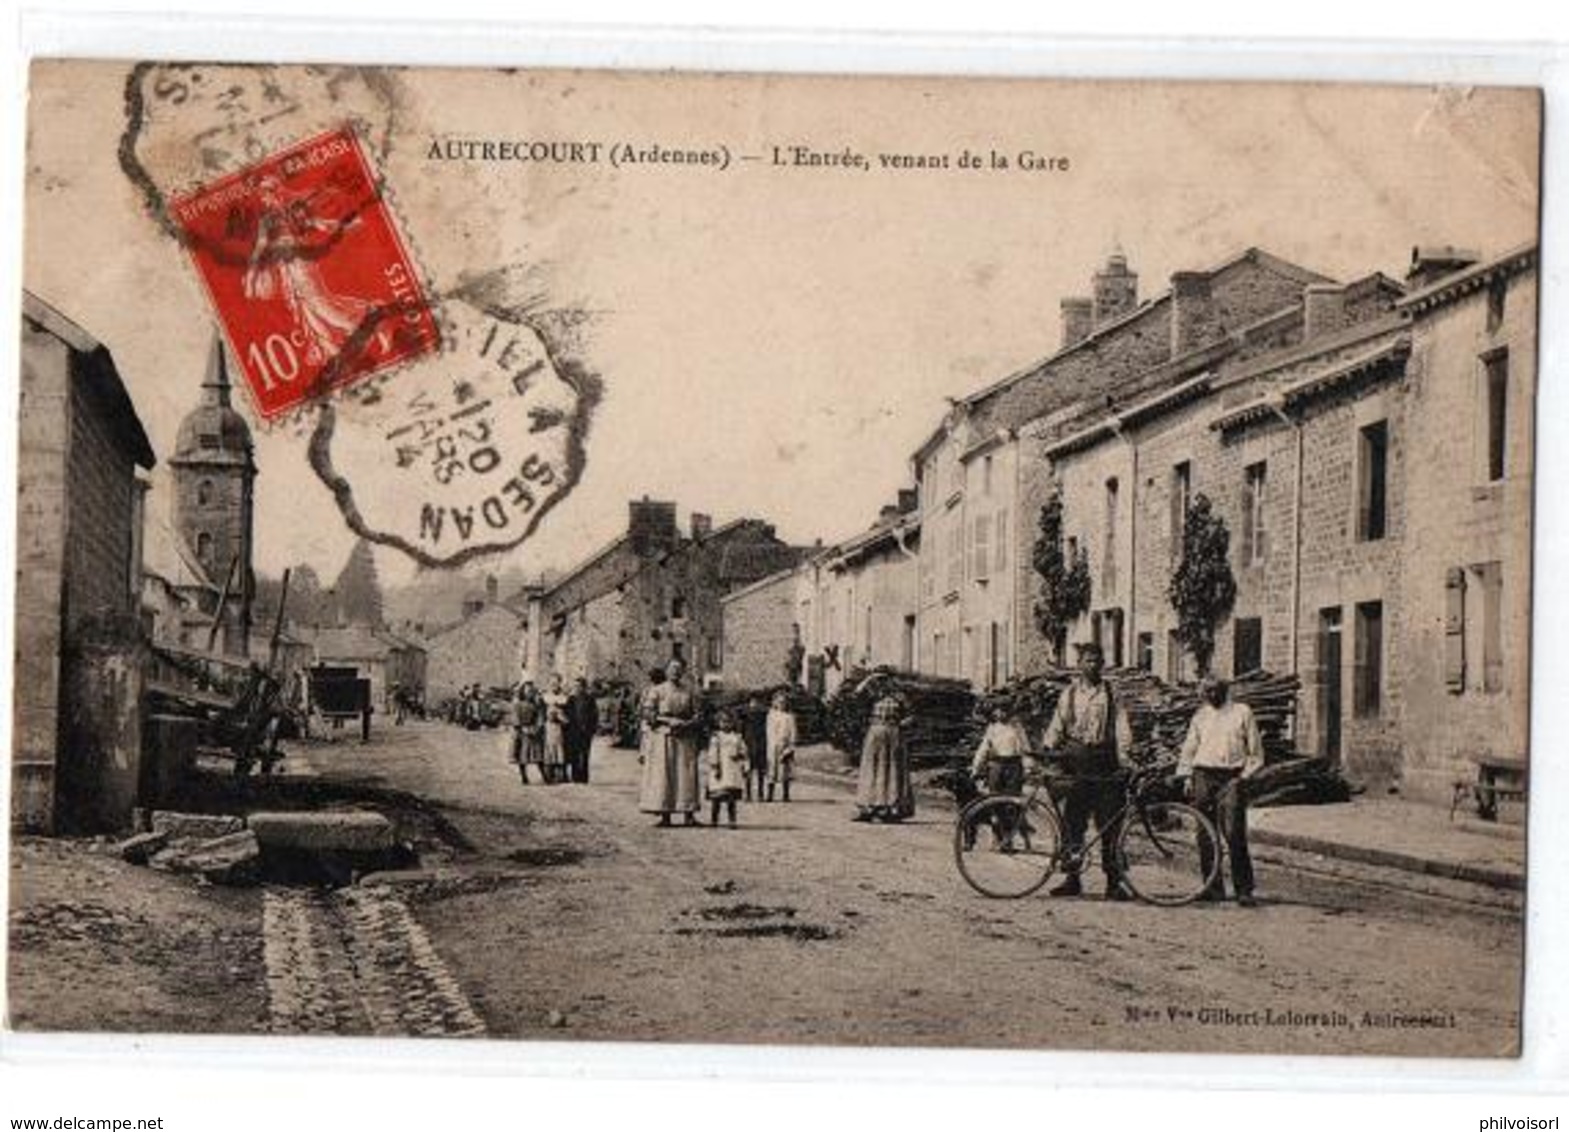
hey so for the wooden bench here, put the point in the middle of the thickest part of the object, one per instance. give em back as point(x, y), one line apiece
point(1496, 777)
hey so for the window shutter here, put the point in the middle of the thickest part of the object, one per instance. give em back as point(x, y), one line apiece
point(1249, 554)
point(1454, 629)
point(1002, 542)
point(981, 568)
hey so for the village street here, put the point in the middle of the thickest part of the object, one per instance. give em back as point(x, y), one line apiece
point(563, 914)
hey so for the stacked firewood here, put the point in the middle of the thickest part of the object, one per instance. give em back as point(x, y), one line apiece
point(938, 712)
point(1158, 713)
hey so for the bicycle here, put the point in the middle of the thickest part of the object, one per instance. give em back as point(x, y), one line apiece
point(1167, 852)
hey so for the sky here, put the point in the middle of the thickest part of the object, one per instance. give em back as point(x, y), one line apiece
point(775, 341)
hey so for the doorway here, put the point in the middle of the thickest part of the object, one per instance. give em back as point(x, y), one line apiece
point(1329, 664)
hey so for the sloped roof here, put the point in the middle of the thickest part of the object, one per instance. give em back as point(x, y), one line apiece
point(106, 384)
point(983, 406)
point(167, 554)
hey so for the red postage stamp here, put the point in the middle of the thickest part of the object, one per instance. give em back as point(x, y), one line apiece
point(309, 278)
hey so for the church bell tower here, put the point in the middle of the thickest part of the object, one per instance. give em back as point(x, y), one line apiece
point(214, 472)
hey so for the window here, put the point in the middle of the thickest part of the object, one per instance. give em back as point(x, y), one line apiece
point(1473, 626)
point(1367, 688)
point(204, 493)
point(678, 651)
point(716, 654)
point(1000, 537)
point(1495, 377)
point(955, 556)
point(1372, 481)
point(1109, 554)
point(1253, 535)
point(986, 476)
point(204, 548)
point(207, 440)
point(1181, 495)
point(1247, 648)
point(981, 560)
point(1146, 652)
point(1175, 666)
point(677, 608)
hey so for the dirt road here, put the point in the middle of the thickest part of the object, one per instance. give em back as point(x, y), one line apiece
point(570, 916)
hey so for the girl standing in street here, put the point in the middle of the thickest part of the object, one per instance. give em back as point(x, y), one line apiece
point(527, 731)
point(728, 767)
point(781, 746)
point(555, 705)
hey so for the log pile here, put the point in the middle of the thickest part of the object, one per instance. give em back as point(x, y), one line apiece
point(939, 712)
point(1158, 713)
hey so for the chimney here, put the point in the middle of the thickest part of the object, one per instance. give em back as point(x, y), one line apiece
point(1193, 318)
point(651, 525)
point(909, 500)
point(1116, 289)
point(491, 588)
point(1430, 264)
point(1323, 309)
point(702, 526)
point(1078, 319)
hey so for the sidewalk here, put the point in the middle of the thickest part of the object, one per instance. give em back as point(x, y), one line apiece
point(1395, 833)
point(1392, 833)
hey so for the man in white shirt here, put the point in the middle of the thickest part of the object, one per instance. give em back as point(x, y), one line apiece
point(1220, 754)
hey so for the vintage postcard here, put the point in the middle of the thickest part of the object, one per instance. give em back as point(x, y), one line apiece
point(747, 558)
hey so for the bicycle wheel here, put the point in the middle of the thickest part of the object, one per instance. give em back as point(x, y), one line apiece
point(1168, 852)
point(1006, 846)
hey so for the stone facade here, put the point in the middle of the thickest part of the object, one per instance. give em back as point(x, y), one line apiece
point(653, 595)
point(1466, 570)
point(484, 648)
point(760, 628)
point(986, 468)
point(77, 738)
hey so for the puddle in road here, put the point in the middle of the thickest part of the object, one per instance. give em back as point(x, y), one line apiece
point(747, 912)
point(807, 933)
point(546, 858)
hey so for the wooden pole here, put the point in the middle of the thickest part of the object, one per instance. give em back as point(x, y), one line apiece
point(277, 623)
point(223, 600)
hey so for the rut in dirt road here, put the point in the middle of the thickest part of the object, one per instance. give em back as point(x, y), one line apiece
point(356, 961)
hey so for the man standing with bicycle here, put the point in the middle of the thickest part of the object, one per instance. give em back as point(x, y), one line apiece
point(1090, 737)
point(1221, 753)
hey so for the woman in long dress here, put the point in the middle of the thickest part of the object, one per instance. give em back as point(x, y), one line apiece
point(675, 751)
point(653, 792)
point(555, 702)
point(885, 792)
point(527, 721)
point(781, 745)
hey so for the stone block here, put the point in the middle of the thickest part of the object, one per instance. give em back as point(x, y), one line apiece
point(234, 858)
point(355, 831)
point(139, 849)
point(194, 827)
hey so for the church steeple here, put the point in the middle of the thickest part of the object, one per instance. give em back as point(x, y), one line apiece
point(215, 386)
point(214, 473)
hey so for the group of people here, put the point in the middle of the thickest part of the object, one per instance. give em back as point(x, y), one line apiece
point(553, 731)
point(1090, 738)
point(749, 753)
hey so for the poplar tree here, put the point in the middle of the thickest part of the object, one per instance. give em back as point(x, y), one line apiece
point(1064, 579)
point(1202, 590)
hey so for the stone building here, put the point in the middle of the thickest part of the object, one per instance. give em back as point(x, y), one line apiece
point(980, 475)
point(1396, 589)
point(763, 645)
point(77, 740)
point(849, 605)
point(214, 479)
point(1465, 573)
point(379, 655)
point(651, 595)
point(486, 646)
